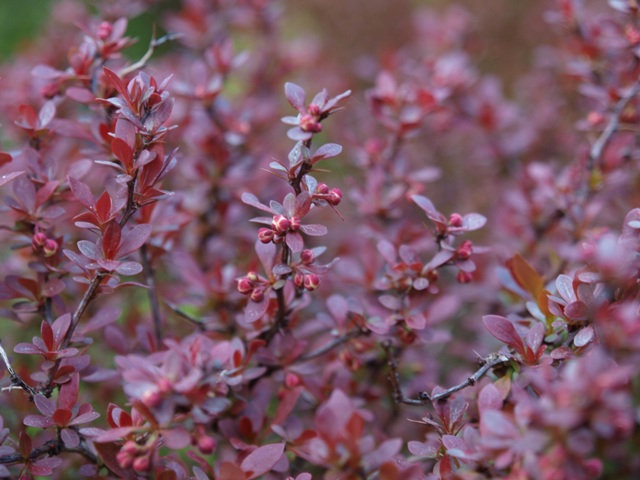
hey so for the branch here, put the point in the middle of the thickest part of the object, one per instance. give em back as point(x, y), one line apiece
point(490, 361)
point(153, 44)
point(597, 149)
point(15, 378)
point(333, 344)
point(153, 292)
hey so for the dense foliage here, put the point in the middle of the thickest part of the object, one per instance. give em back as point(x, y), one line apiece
point(239, 257)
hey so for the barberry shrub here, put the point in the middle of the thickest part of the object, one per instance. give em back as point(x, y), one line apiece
point(239, 256)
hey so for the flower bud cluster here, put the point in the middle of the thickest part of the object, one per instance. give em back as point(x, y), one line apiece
point(303, 276)
point(134, 455)
point(280, 225)
point(44, 245)
point(253, 285)
point(332, 196)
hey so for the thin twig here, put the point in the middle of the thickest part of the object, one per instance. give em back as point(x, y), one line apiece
point(597, 149)
point(153, 44)
point(15, 378)
point(489, 362)
point(153, 292)
point(332, 344)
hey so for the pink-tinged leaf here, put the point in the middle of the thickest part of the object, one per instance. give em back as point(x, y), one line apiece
point(134, 239)
point(576, 311)
point(45, 192)
point(53, 287)
point(126, 131)
point(113, 434)
point(255, 310)
point(85, 418)
point(46, 114)
point(298, 135)
point(25, 192)
point(88, 249)
point(535, 336)
point(489, 398)
point(46, 406)
point(328, 150)
point(70, 438)
point(584, 336)
point(286, 404)
point(81, 95)
point(69, 393)
point(176, 438)
point(390, 302)
point(296, 96)
point(561, 353)
point(262, 459)
point(103, 207)
point(631, 224)
point(451, 442)
point(45, 466)
point(439, 259)
point(27, 348)
point(503, 330)
point(116, 82)
point(420, 449)
point(338, 306)
point(7, 177)
point(38, 421)
point(108, 265)
point(564, 284)
point(251, 199)
point(383, 453)
point(388, 251)
point(61, 326)
point(425, 204)
point(46, 332)
point(416, 321)
point(230, 471)
point(294, 241)
point(82, 193)
point(315, 230)
point(128, 268)
point(123, 152)
point(302, 204)
point(420, 283)
point(266, 253)
point(281, 269)
point(494, 422)
point(473, 221)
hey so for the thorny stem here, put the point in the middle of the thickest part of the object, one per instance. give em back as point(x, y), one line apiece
point(15, 378)
point(149, 276)
point(490, 361)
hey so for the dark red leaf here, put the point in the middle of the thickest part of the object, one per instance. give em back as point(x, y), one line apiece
point(503, 330)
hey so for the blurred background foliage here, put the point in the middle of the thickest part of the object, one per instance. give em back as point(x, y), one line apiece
point(347, 29)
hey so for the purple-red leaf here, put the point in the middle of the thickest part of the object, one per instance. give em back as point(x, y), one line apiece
point(503, 330)
point(262, 459)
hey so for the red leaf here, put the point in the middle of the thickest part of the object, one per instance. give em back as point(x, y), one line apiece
point(503, 330)
point(116, 82)
point(62, 416)
point(262, 459)
point(111, 240)
point(103, 207)
point(124, 153)
point(230, 471)
point(133, 239)
point(69, 393)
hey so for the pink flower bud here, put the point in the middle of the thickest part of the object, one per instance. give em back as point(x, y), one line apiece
point(308, 123)
point(307, 257)
point(455, 220)
point(311, 281)
point(291, 380)
point(206, 444)
point(313, 109)
point(335, 196)
point(50, 247)
point(465, 250)
point(322, 189)
point(124, 458)
point(280, 224)
point(253, 276)
point(257, 295)
point(295, 224)
point(164, 385)
point(151, 398)
point(298, 280)
point(104, 30)
point(265, 235)
point(142, 464)
point(464, 277)
point(38, 240)
point(245, 285)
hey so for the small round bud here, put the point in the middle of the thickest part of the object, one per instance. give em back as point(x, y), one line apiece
point(280, 224)
point(164, 385)
point(265, 235)
point(38, 240)
point(206, 444)
point(142, 464)
point(291, 380)
point(295, 224)
point(253, 276)
point(433, 276)
point(307, 257)
point(104, 30)
point(455, 220)
point(335, 196)
point(245, 285)
point(125, 459)
point(257, 295)
point(151, 398)
point(298, 280)
point(311, 281)
point(465, 250)
point(464, 277)
point(50, 247)
point(322, 189)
